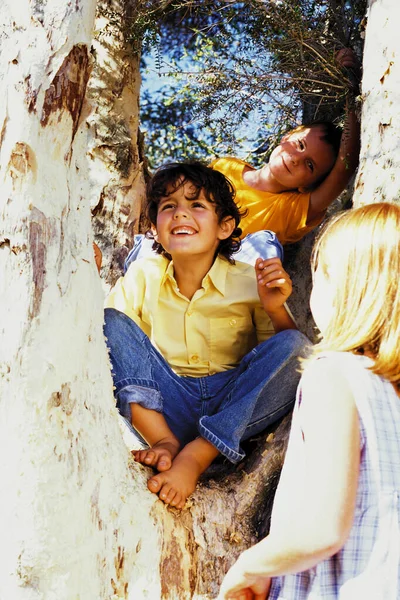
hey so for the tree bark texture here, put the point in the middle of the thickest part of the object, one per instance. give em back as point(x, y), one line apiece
point(228, 512)
point(297, 262)
point(378, 178)
point(115, 165)
point(63, 495)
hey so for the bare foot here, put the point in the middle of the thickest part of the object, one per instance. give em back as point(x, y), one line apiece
point(160, 456)
point(176, 484)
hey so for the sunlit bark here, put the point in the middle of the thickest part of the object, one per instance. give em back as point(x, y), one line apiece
point(116, 170)
point(378, 176)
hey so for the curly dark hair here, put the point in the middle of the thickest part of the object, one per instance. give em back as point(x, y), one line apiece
point(216, 188)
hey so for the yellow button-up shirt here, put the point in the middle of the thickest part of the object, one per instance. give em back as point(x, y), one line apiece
point(205, 335)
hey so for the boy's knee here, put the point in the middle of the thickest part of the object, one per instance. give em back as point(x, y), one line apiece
point(111, 318)
point(117, 325)
point(295, 342)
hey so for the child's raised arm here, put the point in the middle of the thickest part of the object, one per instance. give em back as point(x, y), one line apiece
point(274, 288)
point(348, 156)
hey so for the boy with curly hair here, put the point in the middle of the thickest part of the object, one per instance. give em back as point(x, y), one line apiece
point(203, 351)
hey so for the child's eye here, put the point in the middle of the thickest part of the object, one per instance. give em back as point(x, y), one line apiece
point(198, 204)
point(301, 145)
point(167, 205)
point(310, 165)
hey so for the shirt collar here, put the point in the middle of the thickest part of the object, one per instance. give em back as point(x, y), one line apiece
point(169, 272)
point(216, 275)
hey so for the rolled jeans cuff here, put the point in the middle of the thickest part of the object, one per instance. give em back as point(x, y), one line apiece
point(225, 450)
point(146, 396)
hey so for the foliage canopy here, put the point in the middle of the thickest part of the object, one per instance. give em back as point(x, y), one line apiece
point(241, 73)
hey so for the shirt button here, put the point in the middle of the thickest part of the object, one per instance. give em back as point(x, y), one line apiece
point(232, 322)
point(194, 358)
point(189, 313)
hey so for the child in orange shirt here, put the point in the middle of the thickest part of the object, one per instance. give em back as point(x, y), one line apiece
point(307, 171)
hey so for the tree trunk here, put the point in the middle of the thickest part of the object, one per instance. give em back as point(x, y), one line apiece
point(378, 178)
point(115, 164)
point(63, 496)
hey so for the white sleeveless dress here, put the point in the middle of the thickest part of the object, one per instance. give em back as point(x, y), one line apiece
point(367, 567)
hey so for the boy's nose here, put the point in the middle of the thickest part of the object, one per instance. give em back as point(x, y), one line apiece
point(180, 212)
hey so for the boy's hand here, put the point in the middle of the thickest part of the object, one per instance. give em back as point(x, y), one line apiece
point(274, 284)
point(347, 59)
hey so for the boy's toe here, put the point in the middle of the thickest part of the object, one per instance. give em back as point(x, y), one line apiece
point(154, 485)
point(170, 497)
point(166, 493)
point(150, 458)
point(138, 455)
point(164, 463)
point(181, 502)
point(176, 500)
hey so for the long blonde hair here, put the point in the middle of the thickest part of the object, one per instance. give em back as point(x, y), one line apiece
point(359, 253)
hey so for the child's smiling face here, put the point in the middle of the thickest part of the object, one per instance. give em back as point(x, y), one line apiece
point(301, 159)
point(187, 223)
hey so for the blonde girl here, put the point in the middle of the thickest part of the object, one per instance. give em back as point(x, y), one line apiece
point(335, 522)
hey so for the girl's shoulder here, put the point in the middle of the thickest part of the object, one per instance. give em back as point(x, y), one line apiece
point(338, 374)
point(336, 363)
point(323, 374)
point(332, 376)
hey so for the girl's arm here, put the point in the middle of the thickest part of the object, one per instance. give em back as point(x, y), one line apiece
point(320, 512)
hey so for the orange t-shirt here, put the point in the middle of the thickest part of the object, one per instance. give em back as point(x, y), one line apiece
point(285, 213)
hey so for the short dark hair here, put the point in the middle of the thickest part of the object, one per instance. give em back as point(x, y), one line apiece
point(332, 134)
point(216, 188)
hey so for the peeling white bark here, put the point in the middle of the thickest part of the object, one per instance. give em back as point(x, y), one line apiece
point(70, 520)
point(378, 178)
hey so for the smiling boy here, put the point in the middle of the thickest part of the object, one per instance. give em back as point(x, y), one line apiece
point(196, 365)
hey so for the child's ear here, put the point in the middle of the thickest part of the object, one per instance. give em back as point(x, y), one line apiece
point(227, 227)
point(154, 232)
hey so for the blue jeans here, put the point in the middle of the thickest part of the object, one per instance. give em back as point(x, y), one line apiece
point(262, 244)
point(224, 408)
